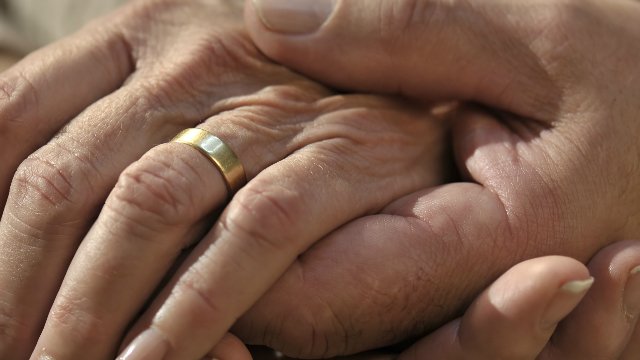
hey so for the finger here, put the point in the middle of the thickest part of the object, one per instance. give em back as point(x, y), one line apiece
point(515, 317)
point(417, 48)
point(357, 267)
point(151, 212)
point(601, 326)
point(51, 86)
point(275, 217)
point(56, 193)
point(150, 216)
point(230, 348)
point(54, 196)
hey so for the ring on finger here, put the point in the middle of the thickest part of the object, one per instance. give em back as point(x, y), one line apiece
point(219, 153)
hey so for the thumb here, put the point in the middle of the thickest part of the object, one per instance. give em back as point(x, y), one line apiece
point(426, 49)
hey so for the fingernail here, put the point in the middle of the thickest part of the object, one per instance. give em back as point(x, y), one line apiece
point(632, 292)
point(565, 300)
point(577, 287)
point(295, 17)
point(150, 345)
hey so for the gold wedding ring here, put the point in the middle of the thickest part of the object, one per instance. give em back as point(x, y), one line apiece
point(219, 153)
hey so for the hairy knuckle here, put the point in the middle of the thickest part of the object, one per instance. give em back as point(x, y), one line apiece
point(152, 190)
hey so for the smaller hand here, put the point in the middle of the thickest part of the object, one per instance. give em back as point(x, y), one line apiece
point(543, 309)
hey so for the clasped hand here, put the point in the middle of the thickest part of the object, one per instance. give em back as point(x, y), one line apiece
point(339, 242)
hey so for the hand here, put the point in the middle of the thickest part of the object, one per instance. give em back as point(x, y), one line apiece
point(528, 313)
point(95, 219)
point(540, 308)
point(553, 160)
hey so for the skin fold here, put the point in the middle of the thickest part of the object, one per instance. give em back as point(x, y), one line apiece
point(340, 242)
point(549, 147)
point(89, 214)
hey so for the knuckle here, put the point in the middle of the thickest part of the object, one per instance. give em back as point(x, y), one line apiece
point(365, 140)
point(374, 140)
point(264, 215)
point(154, 192)
point(207, 55)
point(43, 183)
point(17, 96)
point(49, 197)
point(115, 55)
point(84, 327)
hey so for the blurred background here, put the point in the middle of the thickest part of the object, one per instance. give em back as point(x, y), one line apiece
point(26, 25)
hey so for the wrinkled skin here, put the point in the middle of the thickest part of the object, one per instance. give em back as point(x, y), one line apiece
point(552, 155)
point(98, 209)
point(527, 198)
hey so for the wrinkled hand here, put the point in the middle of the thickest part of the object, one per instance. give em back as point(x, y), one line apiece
point(553, 160)
point(97, 215)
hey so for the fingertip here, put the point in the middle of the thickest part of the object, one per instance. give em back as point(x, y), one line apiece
point(616, 261)
point(150, 344)
point(230, 348)
point(288, 17)
point(330, 41)
point(534, 282)
point(601, 325)
point(502, 322)
point(276, 46)
point(517, 314)
point(296, 51)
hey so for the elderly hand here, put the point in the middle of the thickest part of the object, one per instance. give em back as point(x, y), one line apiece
point(91, 109)
point(553, 159)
